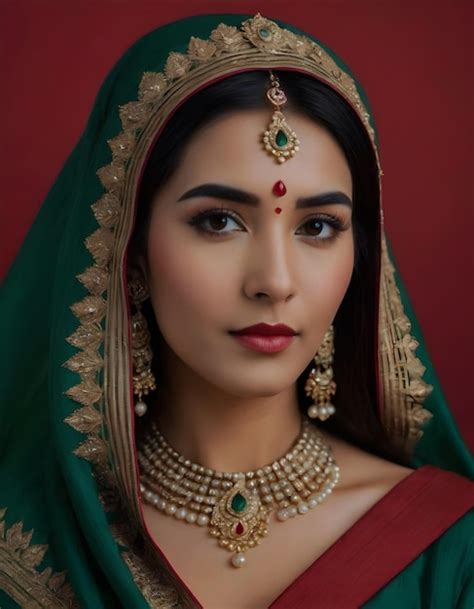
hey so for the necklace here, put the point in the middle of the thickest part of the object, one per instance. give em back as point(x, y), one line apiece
point(236, 506)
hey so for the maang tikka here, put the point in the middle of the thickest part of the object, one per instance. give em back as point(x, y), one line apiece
point(320, 384)
point(143, 377)
point(279, 139)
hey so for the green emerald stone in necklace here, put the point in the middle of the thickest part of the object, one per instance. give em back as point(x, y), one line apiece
point(239, 503)
point(264, 33)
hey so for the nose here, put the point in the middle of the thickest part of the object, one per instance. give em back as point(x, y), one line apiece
point(270, 267)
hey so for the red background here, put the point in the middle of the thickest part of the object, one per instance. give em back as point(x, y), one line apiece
point(413, 58)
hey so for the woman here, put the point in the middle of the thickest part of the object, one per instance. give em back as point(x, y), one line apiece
point(162, 452)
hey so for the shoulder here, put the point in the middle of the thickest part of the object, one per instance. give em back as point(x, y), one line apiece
point(361, 469)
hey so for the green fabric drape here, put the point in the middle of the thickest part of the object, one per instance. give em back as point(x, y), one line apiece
point(441, 576)
point(44, 486)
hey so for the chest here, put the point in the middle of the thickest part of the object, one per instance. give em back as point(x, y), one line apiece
point(289, 549)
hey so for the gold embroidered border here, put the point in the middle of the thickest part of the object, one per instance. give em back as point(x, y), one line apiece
point(155, 581)
point(403, 387)
point(260, 44)
point(19, 577)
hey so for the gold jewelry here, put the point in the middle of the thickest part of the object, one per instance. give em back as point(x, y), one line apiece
point(236, 506)
point(279, 139)
point(143, 377)
point(320, 384)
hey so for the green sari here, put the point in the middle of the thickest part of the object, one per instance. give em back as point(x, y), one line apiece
point(71, 525)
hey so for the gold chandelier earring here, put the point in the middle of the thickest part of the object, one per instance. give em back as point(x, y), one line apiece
point(143, 377)
point(320, 384)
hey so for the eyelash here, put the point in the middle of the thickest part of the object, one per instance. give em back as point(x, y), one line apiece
point(336, 223)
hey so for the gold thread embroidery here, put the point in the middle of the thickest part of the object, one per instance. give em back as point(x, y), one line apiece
point(152, 87)
point(86, 393)
point(154, 581)
point(86, 362)
point(100, 245)
point(19, 577)
point(86, 336)
point(94, 449)
point(106, 210)
point(90, 309)
point(86, 420)
point(403, 388)
point(94, 279)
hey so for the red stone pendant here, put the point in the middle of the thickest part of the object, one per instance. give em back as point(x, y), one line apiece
point(279, 189)
point(239, 529)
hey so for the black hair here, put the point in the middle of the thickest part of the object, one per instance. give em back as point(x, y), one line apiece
point(355, 333)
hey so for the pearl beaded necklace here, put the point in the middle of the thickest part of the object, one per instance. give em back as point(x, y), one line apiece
point(236, 506)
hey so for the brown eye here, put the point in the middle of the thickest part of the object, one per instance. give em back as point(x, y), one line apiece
point(217, 221)
point(323, 228)
point(213, 222)
point(316, 226)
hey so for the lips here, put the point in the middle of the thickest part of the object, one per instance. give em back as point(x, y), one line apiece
point(265, 344)
point(266, 330)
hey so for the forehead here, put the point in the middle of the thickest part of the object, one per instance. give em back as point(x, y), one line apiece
point(230, 147)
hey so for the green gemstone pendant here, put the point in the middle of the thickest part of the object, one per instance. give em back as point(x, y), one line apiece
point(239, 520)
point(239, 503)
point(279, 139)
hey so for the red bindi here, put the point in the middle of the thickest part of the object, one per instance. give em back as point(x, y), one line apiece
point(278, 210)
point(279, 189)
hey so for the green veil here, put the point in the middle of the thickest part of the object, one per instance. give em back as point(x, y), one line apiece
point(69, 506)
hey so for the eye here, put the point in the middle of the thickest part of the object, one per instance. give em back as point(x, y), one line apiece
point(323, 227)
point(217, 219)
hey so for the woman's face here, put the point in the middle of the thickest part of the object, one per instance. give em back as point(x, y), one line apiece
point(254, 265)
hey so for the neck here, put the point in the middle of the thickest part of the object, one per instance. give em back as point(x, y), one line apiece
point(225, 432)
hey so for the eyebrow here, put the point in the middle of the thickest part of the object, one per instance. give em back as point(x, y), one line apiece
point(229, 193)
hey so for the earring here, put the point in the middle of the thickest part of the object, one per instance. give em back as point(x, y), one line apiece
point(143, 378)
point(320, 384)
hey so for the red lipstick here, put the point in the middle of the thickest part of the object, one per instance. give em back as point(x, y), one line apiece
point(265, 337)
point(267, 330)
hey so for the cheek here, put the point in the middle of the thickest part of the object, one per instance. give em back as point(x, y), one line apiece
point(186, 283)
point(331, 278)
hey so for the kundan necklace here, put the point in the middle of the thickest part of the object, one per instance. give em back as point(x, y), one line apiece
point(236, 506)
